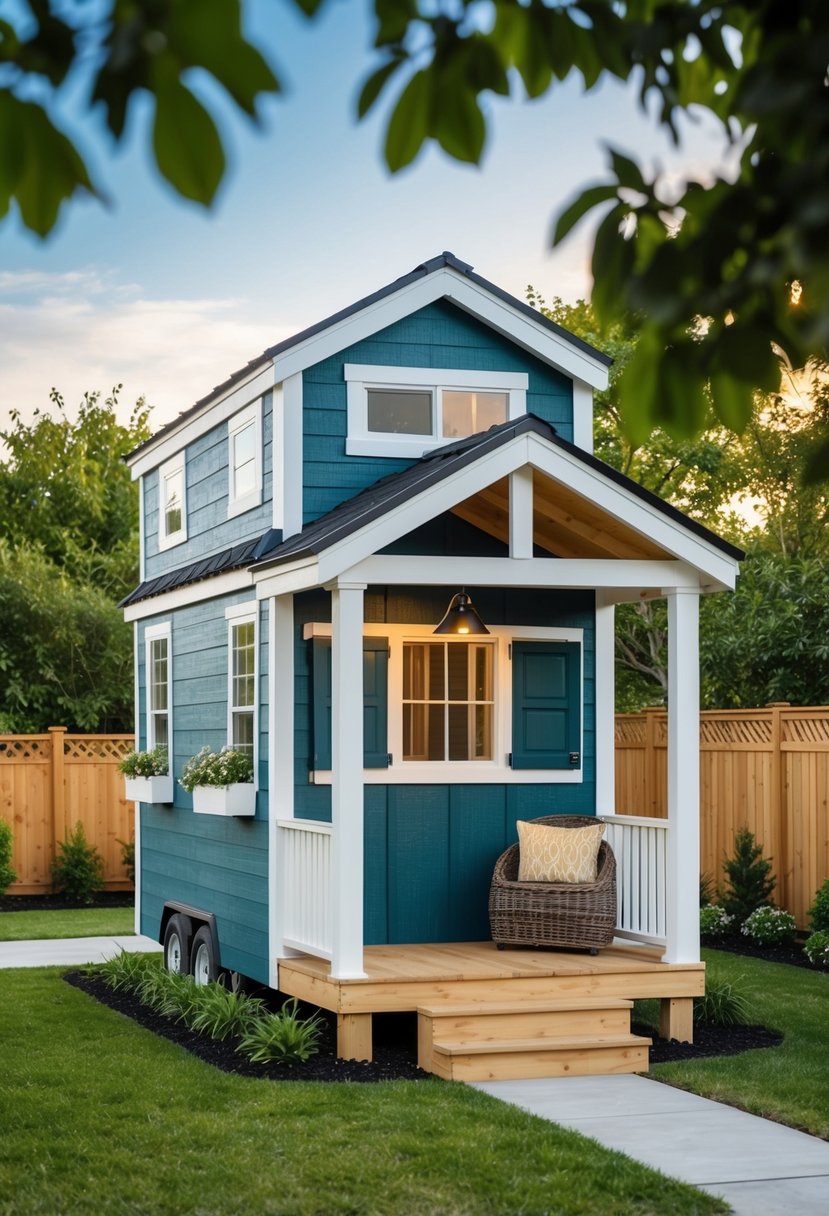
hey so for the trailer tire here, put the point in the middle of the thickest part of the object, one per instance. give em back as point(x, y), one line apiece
point(204, 966)
point(175, 945)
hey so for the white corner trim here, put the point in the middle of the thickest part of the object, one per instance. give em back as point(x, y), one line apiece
point(583, 415)
point(250, 416)
point(605, 705)
point(288, 481)
point(239, 613)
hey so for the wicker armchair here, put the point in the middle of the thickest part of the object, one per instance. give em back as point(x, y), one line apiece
point(552, 915)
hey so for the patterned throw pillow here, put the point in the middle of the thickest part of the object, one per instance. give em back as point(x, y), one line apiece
point(551, 854)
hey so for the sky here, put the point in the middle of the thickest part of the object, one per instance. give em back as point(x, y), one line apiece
point(169, 299)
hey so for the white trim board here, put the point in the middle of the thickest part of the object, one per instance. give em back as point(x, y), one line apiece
point(193, 593)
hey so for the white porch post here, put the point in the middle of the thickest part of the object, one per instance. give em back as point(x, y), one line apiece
point(280, 764)
point(605, 660)
point(683, 777)
point(347, 779)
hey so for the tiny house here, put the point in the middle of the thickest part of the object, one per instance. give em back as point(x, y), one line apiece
point(304, 529)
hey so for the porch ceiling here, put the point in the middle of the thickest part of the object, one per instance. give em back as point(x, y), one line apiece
point(564, 523)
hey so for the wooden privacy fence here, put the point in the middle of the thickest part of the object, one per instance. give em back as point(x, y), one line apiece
point(766, 769)
point(50, 782)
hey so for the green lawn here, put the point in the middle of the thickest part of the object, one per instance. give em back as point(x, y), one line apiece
point(100, 1116)
point(75, 922)
point(789, 1083)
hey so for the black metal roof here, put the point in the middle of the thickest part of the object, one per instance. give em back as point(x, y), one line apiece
point(443, 260)
point(236, 558)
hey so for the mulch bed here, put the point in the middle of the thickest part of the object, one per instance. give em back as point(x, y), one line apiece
point(59, 903)
point(735, 943)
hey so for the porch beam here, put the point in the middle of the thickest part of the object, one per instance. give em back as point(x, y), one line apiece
point(589, 573)
point(605, 662)
point(347, 779)
point(683, 778)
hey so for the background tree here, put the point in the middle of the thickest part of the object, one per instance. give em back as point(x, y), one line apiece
point(726, 272)
point(68, 553)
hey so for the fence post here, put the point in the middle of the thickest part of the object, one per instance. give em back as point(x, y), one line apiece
point(778, 804)
point(58, 734)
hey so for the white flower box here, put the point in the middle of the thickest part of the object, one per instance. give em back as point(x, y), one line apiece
point(238, 799)
point(149, 789)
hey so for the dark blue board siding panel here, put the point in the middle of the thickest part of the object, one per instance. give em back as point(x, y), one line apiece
point(216, 865)
point(439, 335)
point(208, 528)
point(429, 850)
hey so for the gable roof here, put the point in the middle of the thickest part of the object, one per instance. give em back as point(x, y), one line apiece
point(298, 351)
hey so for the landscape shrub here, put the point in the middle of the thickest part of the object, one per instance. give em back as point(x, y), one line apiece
point(123, 971)
point(816, 948)
point(128, 858)
point(819, 910)
point(283, 1036)
point(722, 1005)
point(220, 1013)
point(7, 874)
point(714, 922)
point(770, 926)
point(750, 881)
point(78, 869)
point(707, 890)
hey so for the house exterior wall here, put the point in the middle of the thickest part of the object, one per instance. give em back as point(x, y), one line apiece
point(430, 849)
point(215, 864)
point(209, 530)
point(439, 335)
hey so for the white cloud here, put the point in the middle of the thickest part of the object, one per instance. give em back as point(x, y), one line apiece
point(80, 331)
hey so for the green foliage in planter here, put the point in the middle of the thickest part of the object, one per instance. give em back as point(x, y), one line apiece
point(714, 922)
point(722, 1005)
point(818, 912)
point(283, 1036)
point(7, 874)
point(227, 767)
point(816, 948)
point(78, 869)
point(750, 881)
point(769, 926)
point(154, 763)
point(128, 858)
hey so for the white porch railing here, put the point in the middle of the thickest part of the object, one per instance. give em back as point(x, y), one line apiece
point(641, 849)
point(304, 885)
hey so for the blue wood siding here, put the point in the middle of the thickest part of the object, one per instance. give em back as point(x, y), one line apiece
point(430, 849)
point(206, 477)
point(439, 335)
point(218, 865)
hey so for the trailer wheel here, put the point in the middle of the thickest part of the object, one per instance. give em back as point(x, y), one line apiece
point(203, 965)
point(175, 945)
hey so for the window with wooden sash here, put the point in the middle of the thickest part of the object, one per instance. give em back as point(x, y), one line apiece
point(159, 680)
point(244, 434)
point(242, 685)
point(172, 528)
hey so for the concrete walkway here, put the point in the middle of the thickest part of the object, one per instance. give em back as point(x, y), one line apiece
point(759, 1167)
point(70, 951)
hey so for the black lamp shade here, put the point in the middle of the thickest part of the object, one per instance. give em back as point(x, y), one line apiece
point(461, 618)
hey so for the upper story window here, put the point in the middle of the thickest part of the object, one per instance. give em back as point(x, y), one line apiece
point(241, 728)
point(172, 503)
point(406, 411)
point(159, 686)
point(244, 436)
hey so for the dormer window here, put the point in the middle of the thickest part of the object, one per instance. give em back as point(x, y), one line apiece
point(406, 411)
point(244, 437)
point(172, 510)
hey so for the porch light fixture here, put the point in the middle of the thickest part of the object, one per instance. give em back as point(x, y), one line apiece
point(461, 618)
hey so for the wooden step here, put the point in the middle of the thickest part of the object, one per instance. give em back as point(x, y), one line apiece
point(516, 1059)
point(533, 1019)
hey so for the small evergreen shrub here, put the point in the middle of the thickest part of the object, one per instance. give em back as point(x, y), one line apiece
point(816, 948)
point(78, 869)
point(707, 892)
point(7, 874)
point(154, 763)
point(128, 858)
point(283, 1037)
point(769, 926)
point(227, 767)
point(818, 912)
point(750, 881)
point(714, 922)
point(722, 1005)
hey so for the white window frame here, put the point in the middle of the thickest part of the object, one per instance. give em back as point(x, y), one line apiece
point(462, 772)
point(361, 377)
point(244, 614)
point(252, 416)
point(158, 633)
point(177, 464)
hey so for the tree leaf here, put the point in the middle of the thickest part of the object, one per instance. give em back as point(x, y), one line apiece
point(40, 194)
point(187, 147)
point(613, 259)
point(581, 204)
point(457, 122)
point(208, 34)
point(733, 400)
point(373, 86)
point(408, 125)
point(817, 465)
point(628, 172)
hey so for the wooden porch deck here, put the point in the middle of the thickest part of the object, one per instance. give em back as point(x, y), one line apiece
point(489, 1012)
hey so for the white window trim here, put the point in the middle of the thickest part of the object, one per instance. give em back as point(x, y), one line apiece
point(154, 633)
point(241, 614)
point(461, 772)
point(246, 502)
point(177, 465)
point(360, 377)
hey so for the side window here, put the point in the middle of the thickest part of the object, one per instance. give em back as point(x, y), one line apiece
point(244, 457)
point(448, 700)
point(159, 677)
point(172, 505)
point(546, 705)
point(242, 682)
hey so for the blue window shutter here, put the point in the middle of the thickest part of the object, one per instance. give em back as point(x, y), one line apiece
point(546, 705)
point(375, 703)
